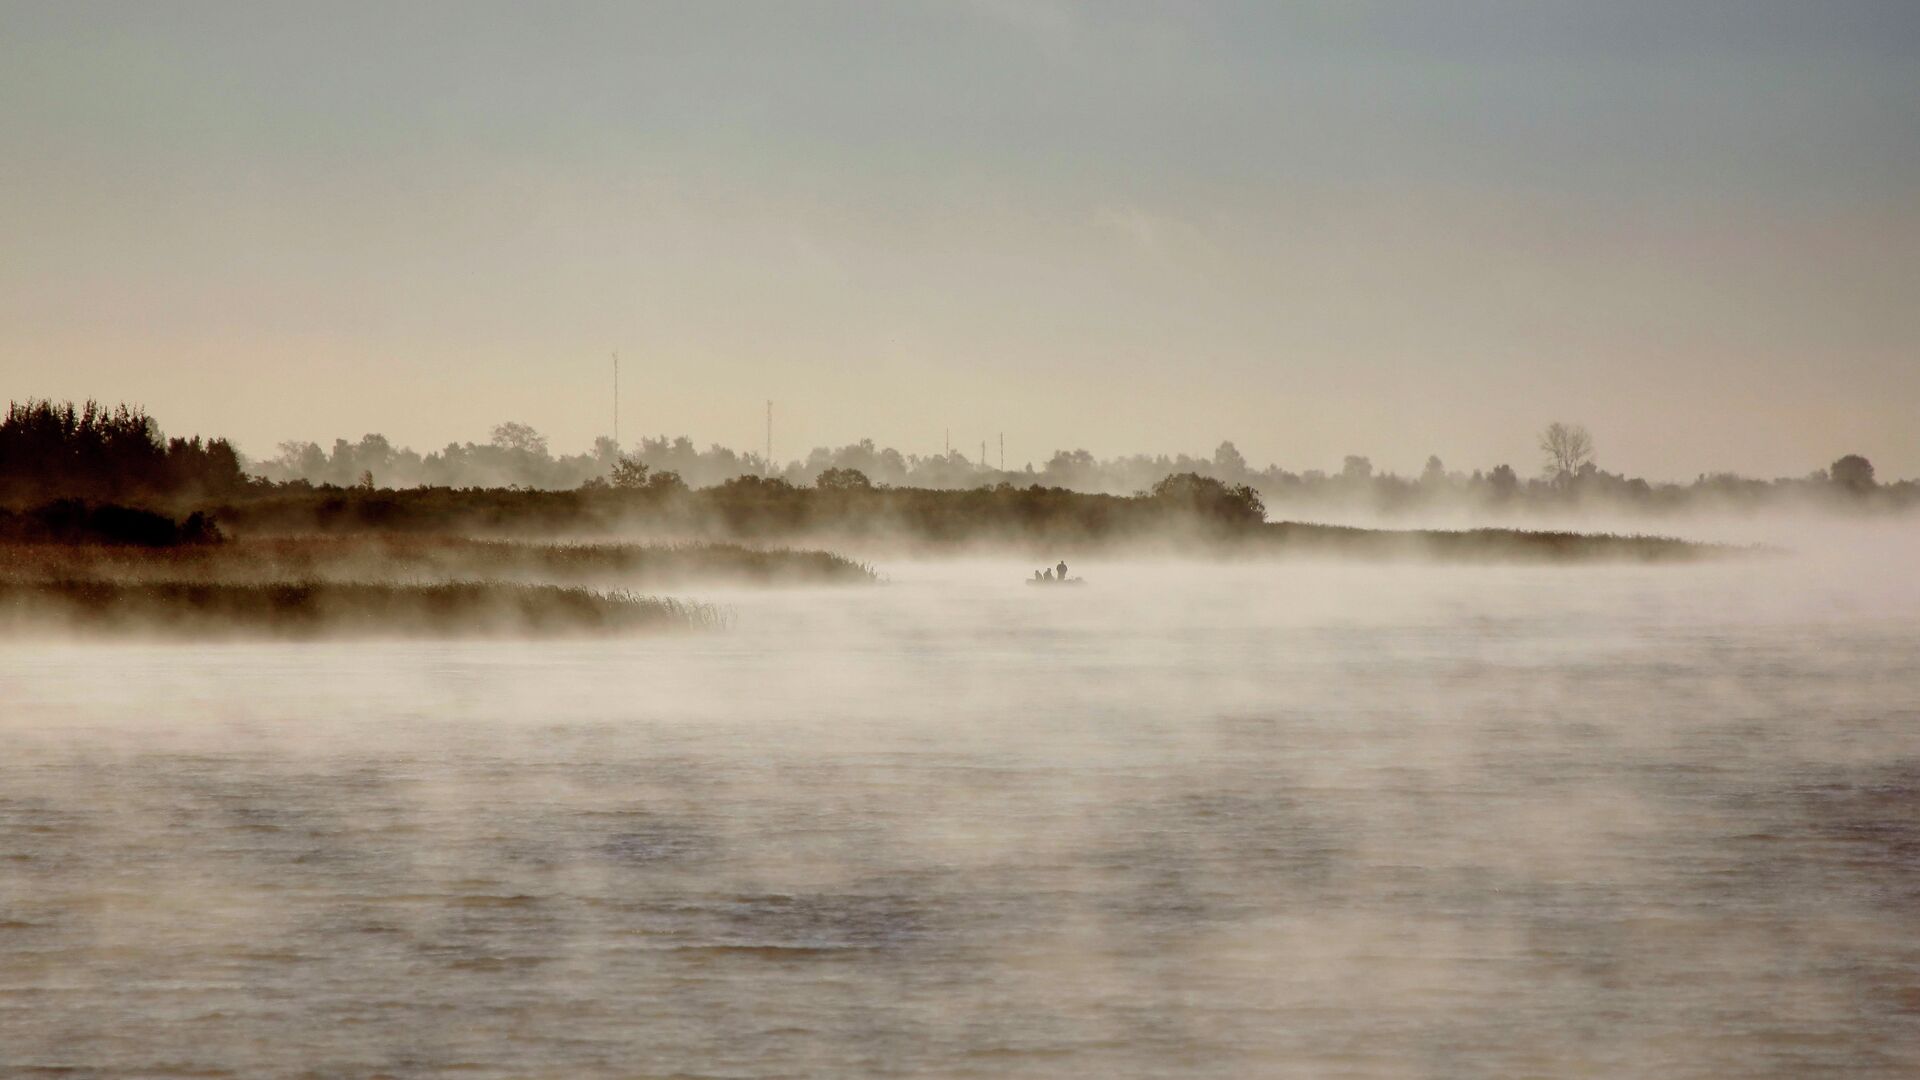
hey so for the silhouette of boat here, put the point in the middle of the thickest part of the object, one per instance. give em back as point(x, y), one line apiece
point(1057, 581)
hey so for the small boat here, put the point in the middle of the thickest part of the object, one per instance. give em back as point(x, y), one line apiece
point(1057, 581)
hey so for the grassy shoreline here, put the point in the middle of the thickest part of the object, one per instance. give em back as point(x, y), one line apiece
point(427, 559)
point(1199, 521)
point(1485, 545)
point(307, 610)
point(1288, 540)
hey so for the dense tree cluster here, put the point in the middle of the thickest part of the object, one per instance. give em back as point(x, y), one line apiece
point(50, 450)
point(1210, 499)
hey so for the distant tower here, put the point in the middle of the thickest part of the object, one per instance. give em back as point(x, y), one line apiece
point(616, 404)
point(983, 453)
point(1003, 451)
point(949, 438)
point(766, 464)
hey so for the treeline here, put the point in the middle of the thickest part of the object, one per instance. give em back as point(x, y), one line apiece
point(518, 456)
point(50, 451)
point(515, 456)
point(57, 451)
point(91, 459)
point(751, 507)
point(1184, 511)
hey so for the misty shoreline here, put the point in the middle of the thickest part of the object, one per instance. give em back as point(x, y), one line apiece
point(106, 528)
point(428, 559)
point(322, 610)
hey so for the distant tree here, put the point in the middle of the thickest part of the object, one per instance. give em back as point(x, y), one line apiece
point(629, 474)
point(1435, 473)
point(1567, 447)
point(665, 480)
point(1228, 462)
point(1356, 469)
point(1503, 481)
point(1071, 469)
point(516, 436)
point(1852, 473)
point(1211, 498)
point(366, 480)
point(374, 452)
point(843, 479)
point(304, 460)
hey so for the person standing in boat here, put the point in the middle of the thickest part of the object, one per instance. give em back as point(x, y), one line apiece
point(1062, 568)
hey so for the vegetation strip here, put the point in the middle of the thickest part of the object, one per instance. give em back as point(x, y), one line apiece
point(328, 609)
point(93, 476)
point(421, 559)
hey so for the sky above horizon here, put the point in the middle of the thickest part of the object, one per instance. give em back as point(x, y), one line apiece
point(1314, 229)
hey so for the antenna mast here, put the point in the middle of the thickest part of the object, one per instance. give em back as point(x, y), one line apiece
point(766, 465)
point(1003, 451)
point(616, 404)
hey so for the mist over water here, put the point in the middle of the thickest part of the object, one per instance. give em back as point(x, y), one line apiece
point(1297, 818)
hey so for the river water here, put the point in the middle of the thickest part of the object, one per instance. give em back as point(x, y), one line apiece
point(1302, 819)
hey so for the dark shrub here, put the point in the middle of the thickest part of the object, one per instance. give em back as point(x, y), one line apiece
point(72, 521)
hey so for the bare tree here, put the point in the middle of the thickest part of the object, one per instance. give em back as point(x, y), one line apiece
point(1567, 447)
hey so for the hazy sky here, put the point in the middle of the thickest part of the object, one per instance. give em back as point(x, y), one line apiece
point(1315, 229)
